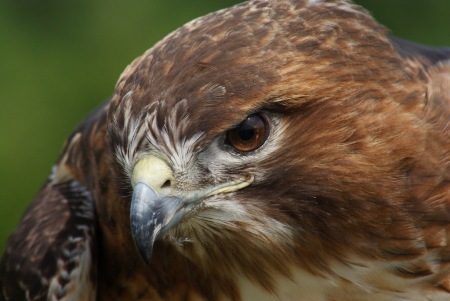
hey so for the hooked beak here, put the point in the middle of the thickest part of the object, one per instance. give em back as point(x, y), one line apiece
point(151, 216)
point(155, 209)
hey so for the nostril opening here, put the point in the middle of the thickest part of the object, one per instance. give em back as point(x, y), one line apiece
point(166, 184)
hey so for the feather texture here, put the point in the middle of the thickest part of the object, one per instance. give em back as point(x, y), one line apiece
point(350, 192)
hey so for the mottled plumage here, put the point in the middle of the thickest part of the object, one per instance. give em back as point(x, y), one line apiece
point(275, 150)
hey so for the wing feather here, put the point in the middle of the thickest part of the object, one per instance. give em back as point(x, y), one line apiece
point(50, 255)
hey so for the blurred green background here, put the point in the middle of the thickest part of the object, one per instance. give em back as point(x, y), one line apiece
point(60, 59)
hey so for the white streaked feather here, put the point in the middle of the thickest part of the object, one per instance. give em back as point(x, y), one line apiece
point(79, 283)
point(169, 141)
point(134, 130)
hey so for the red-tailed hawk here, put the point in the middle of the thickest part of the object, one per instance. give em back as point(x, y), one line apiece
point(276, 150)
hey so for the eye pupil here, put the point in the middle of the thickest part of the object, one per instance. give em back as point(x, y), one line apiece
point(245, 132)
point(249, 135)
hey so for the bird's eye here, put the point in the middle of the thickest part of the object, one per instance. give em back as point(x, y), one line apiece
point(250, 134)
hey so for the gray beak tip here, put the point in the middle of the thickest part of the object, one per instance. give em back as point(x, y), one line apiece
point(146, 251)
point(144, 239)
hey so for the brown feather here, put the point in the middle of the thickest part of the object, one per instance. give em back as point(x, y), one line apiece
point(350, 199)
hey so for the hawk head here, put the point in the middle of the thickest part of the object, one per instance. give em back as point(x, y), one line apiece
point(278, 133)
point(276, 150)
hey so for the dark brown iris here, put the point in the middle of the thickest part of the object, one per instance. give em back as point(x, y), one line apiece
point(249, 135)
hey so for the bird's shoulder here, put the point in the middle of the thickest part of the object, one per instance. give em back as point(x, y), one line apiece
point(51, 254)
